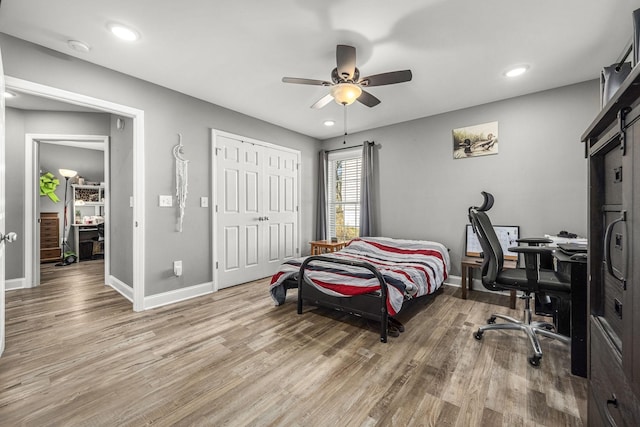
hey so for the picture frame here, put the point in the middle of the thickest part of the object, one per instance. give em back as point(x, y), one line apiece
point(507, 234)
point(475, 141)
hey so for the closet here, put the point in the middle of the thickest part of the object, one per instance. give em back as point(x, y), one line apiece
point(613, 150)
point(256, 213)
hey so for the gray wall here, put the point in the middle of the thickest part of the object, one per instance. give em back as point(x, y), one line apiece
point(166, 114)
point(539, 177)
point(14, 191)
point(120, 190)
point(20, 122)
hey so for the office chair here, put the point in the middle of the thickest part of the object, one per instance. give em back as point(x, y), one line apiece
point(530, 279)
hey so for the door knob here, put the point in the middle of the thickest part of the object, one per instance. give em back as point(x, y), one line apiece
point(9, 237)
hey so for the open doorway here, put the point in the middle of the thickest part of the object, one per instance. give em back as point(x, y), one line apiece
point(72, 228)
point(131, 264)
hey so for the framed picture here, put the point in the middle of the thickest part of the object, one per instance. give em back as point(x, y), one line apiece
point(507, 234)
point(474, 141)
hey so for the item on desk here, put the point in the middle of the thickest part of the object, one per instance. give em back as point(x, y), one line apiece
point(567, 234)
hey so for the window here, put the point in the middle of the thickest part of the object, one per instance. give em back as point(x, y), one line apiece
point(344, 173)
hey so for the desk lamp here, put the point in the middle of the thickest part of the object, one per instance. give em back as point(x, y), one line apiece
point(67, 257)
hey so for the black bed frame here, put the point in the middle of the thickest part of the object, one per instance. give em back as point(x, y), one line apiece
point(369, 306)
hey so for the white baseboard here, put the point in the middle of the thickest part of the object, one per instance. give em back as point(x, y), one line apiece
point(13, 284)
point(177, 295)
point(121, 287)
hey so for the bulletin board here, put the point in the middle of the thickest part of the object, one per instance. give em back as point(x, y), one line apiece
point(507, 234)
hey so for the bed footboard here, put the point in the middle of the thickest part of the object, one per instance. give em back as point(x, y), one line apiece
point(369, 306)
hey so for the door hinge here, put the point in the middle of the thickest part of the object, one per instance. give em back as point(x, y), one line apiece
point(297, 208)
point(622, 115)
point(216, 208)
point(216, 265)
point(297, 166)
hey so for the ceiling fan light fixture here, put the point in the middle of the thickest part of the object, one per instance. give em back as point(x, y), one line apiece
point(345, 93)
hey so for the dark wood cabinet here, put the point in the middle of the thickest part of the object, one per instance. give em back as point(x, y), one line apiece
point(613, 150)
point(49, 237)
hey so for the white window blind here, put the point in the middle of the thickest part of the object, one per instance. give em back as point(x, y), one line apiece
point(344, 174)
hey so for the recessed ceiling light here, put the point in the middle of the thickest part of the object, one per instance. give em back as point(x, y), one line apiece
point(329, 123)
point(123, 32)
point(8, 94)
point(79, 46)
point(517, 71)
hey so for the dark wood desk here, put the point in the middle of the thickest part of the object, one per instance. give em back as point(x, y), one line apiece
point(468, 264)
point(575, 271)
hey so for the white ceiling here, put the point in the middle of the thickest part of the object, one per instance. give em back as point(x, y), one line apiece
point(234, 53)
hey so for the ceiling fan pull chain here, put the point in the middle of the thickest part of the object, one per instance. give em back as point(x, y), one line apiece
point(344, 141)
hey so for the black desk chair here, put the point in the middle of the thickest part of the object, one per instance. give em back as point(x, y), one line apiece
point(530, 279)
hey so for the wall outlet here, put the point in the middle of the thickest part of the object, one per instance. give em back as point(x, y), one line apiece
point(165, 201)
point(177, 268)
point(204, 202)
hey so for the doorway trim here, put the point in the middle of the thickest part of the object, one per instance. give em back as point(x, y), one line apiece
point(137, 116)
point(31, 235)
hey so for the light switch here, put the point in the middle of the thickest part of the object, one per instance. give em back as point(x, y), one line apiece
point(165, 201)
point(204, 202)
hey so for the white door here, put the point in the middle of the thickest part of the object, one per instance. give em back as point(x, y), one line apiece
point(255, 212)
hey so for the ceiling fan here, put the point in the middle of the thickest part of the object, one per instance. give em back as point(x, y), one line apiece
point(346, 84)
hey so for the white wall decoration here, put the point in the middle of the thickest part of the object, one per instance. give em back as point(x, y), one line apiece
point(181, 180)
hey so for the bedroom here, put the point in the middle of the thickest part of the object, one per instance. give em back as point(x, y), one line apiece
point(543, 130)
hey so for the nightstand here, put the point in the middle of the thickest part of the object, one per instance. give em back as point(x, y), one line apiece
point(319, 247)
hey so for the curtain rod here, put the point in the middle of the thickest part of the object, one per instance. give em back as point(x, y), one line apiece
point(353, 146)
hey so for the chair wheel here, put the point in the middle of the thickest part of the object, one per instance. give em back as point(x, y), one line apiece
point(534, 361)
point(478, 335)
point(491, 320)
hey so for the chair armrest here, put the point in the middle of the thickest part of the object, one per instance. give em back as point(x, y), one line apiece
point(532, 250)
point(534, 240)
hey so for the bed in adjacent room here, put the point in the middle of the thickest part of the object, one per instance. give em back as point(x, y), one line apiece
point(373, 277)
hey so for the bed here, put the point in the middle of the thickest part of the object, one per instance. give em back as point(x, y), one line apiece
point(372, 277)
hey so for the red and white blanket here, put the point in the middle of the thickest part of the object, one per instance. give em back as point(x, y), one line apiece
point(410, 268)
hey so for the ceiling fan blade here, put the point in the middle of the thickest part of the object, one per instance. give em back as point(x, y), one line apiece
point(323, 101)
point(367, 99)
point(386, 78)
point(346, 60)
point(305, 81)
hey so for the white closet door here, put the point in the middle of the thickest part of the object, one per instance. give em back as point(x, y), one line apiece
point(256, 210)
point(281, 207)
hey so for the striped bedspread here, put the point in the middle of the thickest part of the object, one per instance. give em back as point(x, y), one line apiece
point(410, 268)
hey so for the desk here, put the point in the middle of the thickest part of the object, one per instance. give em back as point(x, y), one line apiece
point(468, 264)
point(81, 228)
point(319, 247)
point(575, 271)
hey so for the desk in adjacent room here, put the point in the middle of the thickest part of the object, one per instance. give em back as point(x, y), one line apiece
point(78, 231)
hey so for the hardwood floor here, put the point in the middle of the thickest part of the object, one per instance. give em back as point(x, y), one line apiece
point(77, 355)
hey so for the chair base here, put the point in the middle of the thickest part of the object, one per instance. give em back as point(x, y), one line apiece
point(531, 329)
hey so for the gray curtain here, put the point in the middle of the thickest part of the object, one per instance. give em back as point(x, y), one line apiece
point(321, 213)
point(366, 191)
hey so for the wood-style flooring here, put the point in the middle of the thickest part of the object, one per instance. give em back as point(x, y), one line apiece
point(77, 355)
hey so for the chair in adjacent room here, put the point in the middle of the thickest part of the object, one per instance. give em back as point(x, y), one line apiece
point(529, 280)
